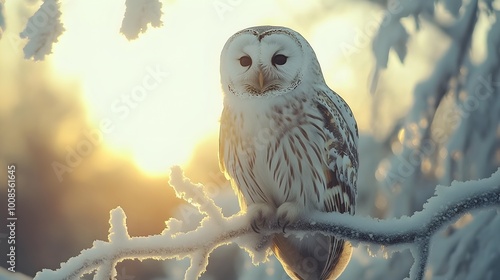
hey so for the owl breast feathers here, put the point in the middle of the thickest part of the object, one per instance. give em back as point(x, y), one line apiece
point(288, 144)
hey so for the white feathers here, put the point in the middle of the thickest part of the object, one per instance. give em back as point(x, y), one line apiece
point(287, 142)
point(261, 48)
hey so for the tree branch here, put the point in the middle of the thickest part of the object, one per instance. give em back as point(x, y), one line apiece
point(414, 232)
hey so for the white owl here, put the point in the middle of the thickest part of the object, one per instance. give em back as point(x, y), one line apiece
point(288, 144)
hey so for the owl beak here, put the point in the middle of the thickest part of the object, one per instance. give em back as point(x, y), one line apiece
point(261, 79)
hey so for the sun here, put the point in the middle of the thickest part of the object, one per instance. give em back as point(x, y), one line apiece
point(160, 94)
point(145, 96)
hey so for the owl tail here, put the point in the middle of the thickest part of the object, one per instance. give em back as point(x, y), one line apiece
point(314, 257)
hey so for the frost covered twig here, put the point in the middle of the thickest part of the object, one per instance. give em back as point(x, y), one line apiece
point(44, 27)
point(43, 30)
point(138, 15)
point(450, 130)
point(215, 230)
point(2, 20)
point(448, 204)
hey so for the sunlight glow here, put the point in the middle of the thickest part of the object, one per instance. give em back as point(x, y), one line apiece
point(156, 96)
point(159, 95)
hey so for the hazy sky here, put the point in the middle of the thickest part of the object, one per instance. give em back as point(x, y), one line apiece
point(155, 97)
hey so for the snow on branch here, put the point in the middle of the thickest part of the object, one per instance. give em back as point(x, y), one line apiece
point(2, 18)
point(138, 15)
point(42, 30)
point(44, 27)
point(414, 232)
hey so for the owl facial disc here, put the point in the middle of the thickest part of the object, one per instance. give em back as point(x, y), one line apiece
point(263, 61)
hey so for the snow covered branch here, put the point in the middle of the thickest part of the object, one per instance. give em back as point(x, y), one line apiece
point(43, 30)
point(2, 19)
point(414, 232)
point(138, 15)
point(44, 27)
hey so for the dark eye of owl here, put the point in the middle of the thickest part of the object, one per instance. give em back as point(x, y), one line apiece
point(279, 59)
point(245, 61)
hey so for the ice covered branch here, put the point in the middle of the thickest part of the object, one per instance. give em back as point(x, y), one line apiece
point(414, 232)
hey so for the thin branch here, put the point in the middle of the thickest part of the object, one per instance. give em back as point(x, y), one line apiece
point(448, 204)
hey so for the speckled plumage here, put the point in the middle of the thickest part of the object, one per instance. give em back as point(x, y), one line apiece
point(288, 144)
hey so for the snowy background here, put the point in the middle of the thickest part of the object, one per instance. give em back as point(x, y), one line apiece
point(421, 77)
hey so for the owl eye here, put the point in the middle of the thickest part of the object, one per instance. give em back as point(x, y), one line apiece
point(279, 59)
point(245, 61)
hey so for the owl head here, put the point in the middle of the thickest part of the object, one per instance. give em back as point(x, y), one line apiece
point(265, 61)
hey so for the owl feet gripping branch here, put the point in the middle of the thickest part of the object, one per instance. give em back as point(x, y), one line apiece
point(261, 215)
point(288, 144)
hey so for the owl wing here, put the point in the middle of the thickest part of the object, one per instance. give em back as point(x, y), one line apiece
point(331, 134)
point(341, 133)
point(341, 172)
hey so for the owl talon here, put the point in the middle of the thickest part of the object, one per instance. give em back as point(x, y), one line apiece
point(282, 220)
point(260, 215)
point(255, 228)
point(288, 213)
point(284, 226)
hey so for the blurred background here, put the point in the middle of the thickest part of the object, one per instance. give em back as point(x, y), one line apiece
point(98, 123)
